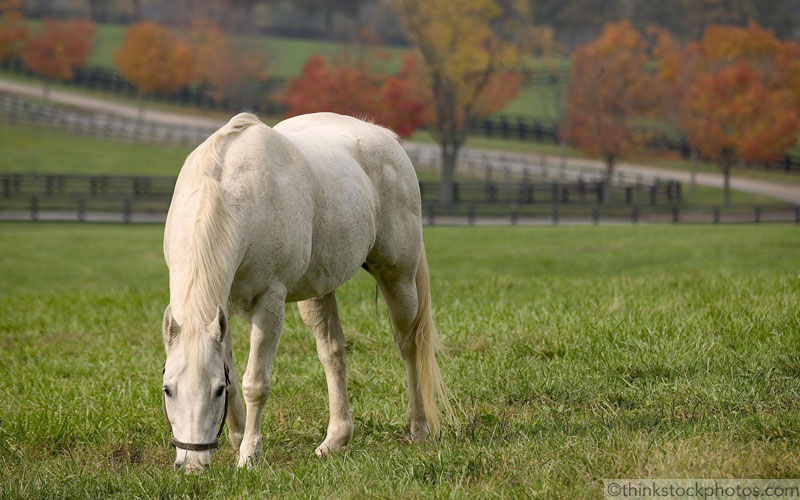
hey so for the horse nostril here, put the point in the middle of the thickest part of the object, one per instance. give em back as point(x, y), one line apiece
point(206, 466)
point(177, 465)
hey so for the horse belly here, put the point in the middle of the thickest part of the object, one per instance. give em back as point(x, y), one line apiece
point(343, 234)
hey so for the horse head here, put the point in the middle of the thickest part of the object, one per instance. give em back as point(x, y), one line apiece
point(195, 387)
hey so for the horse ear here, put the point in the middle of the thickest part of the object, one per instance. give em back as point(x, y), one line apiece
point(219, 326)
point(169, 327)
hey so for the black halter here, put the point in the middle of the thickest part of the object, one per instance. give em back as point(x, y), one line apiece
point(196, 446)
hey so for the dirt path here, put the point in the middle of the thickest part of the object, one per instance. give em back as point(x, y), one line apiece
point(786, 192)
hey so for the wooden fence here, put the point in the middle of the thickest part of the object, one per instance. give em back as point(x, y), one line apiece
point(123, 198)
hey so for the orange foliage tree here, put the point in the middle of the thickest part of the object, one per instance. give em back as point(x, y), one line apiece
point(13, 34)
point(154, 59)
point(227, 70)
point(352, 88)
point(59, 49)
point(610, 92)
point(738, 92)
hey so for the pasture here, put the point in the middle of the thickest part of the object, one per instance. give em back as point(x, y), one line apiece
point(575, 354)
point(34, 150)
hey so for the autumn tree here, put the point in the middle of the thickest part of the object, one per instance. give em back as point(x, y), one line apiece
point(610, 92)
point(745, 104)
point(226, 69)
point(154, 59)
point(353, 88)
point(58, 50)
point(13, 33)
point(463, 49)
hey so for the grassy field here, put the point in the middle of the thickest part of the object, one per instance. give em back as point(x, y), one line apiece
point(576, 354)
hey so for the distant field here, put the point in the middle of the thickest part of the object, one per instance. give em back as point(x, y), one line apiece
point(285, 57)
point(35, 150)
point(575, 354)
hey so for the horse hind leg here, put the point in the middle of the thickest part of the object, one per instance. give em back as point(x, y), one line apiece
point(407, 295)
point(321, 315)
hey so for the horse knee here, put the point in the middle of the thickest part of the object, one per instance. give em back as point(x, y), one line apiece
point(256, 391)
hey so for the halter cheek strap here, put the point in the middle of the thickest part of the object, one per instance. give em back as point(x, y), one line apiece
point(196, 446)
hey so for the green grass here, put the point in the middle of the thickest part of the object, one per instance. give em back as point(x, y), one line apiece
point(576, 354)
point(35, 150)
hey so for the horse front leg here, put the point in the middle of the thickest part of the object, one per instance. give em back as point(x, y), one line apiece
point(267, 322)
point(322, 316)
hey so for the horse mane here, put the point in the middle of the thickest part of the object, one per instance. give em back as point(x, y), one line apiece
point(211, 244)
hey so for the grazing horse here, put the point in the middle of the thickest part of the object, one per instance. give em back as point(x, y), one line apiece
point(262, 216)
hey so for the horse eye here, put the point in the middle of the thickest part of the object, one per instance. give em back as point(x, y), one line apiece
point(220, 390)
point(167, 392)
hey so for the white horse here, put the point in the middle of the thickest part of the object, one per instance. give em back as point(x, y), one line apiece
point(262, 216)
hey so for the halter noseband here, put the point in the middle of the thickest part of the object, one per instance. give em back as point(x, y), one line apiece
point(196, 446)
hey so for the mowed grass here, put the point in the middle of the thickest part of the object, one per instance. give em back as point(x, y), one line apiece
point(39, 150)
point(574, 354)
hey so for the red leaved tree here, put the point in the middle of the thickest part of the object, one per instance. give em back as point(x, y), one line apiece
point(58, 50)
point(353, 88)
point(610, 92)
point(13, 34)
point(739, 97)
point(226, 69)
point(154, 59)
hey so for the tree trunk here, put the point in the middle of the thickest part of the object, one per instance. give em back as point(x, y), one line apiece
point(329, 22)
point(136, 14)
point(693, 178)
point(449, 159)
point(610, 163)
point(726, 189)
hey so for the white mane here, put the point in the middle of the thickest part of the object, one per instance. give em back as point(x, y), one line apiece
point(211, 247)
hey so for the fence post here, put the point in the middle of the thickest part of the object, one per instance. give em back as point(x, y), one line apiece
point(675, 214)
point(635, 214)
point(34, 209)
point(716, 215)
point(471, 214)
point(81, 210)
point(555, 205)
point(514, 213)
point(127, 211)
point(797, 215)
point(757, 214)
point(431, 214)
point(595, 215)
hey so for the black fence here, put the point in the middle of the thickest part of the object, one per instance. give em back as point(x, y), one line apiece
point(64, 190)
point(125, 198)
point(564, 193)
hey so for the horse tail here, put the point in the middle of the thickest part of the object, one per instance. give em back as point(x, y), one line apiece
point(427, 342)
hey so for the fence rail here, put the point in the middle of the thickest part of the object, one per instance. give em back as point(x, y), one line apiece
point(62, 191)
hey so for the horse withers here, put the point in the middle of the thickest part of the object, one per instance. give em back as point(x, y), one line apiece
point(262, 216)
